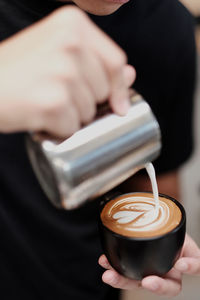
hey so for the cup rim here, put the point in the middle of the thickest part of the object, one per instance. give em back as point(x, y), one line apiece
point(152, 238)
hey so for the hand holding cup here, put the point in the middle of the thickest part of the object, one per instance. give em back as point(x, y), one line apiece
point(168, 285)
point(145, 260)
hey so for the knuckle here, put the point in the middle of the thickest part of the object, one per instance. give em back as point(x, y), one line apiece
point(74, 44)
point(67, 41)
point(66, 11)
point(69, 15)
point(73, 10)
point(69, 23)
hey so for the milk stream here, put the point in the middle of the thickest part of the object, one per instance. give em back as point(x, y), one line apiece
point(146, 213)
point(152, 175)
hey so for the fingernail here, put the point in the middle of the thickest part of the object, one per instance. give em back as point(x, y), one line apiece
point(105, 265)
point(182, 266)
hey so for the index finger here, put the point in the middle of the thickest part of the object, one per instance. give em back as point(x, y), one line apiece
point(118, 281)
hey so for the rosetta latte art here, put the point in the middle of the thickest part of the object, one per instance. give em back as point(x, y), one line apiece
point(142, 214)
point(137, 215)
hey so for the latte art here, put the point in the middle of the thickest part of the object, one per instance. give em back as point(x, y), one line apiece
point(142, 214)
point(137, 215)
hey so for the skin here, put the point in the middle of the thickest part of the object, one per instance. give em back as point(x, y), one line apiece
point(189, 262)
point(96, 7)
point(59, 78)
point(170, 285)
point(44, 67)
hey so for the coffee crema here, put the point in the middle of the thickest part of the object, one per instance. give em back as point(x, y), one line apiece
point(136, 215)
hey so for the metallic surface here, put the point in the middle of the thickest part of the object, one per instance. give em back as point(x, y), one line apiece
point(96, 158)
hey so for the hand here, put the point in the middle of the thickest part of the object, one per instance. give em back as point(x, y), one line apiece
point(55, 72)
point(189, 263)
point(169, 285)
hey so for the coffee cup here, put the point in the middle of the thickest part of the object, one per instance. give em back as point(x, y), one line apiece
point(139, 240)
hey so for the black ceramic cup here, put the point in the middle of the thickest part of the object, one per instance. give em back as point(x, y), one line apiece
point(137, 258)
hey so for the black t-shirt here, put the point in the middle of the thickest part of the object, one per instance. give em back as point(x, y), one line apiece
point(47, 253)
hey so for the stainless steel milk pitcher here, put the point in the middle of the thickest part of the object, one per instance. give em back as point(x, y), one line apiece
point(96, 158)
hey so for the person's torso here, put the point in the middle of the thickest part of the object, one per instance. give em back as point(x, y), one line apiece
point(45, 252)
